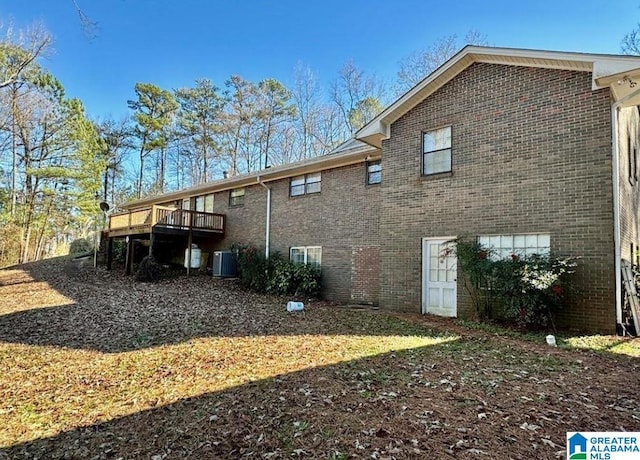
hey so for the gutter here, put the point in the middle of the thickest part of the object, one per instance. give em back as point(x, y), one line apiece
point(267, 231)
point(329, 161)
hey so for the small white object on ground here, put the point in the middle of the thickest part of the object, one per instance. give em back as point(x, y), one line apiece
point(551, 340)
point(295, 306)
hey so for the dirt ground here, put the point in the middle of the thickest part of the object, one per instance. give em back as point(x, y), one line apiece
point(96, 366)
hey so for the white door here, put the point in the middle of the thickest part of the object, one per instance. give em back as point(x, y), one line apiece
point(439, 286)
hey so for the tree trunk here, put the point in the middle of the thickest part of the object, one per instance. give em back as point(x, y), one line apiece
point(105, 184)
point(161, 174)
point(141, 172)
point(205, 166)
point(14, 151)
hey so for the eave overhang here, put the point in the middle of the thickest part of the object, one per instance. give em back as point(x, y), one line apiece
point(349, 153)
point(600, 65)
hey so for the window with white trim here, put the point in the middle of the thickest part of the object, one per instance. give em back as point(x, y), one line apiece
point(503, 246)
point(436, 151)
point(236, 197)
point(309, 255)
point(305, 184)
point(374, 172)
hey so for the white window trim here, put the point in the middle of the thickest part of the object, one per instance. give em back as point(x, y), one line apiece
point(521, 250)
point(305, 250)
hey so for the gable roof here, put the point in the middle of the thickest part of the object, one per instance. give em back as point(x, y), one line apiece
point(600, 65)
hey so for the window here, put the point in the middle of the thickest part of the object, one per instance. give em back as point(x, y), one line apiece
point(310, 255)
point(308, 183)
point(436, 151)
point(374, 172)
point(236, 197)
point(524, 245)
point(208, 203)
point(204, 203)
point(200, 203)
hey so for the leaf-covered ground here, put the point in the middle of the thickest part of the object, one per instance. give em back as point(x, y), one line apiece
point(96, 366)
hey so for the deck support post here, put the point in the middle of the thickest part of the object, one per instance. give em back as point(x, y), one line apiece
point(151, 240)
point(189, 243)
point(109, 252)
point(129, 258)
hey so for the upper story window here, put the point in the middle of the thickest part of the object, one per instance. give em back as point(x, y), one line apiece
point(236, 197)
point(309, 255)
point(204, 203)
point(374, 172)
point(305, 184)
point(503, 246)
point(436, 151)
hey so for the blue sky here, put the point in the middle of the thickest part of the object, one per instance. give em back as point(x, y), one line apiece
point(173, 42)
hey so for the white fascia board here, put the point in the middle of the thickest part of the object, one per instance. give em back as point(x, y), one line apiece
point(379, 128)
point(607, 72)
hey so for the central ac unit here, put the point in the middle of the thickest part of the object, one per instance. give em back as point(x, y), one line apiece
point(224, 264)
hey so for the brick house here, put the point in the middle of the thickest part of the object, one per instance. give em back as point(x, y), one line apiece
point(529, 151)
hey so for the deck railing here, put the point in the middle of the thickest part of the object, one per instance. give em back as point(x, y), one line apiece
point(162, 216)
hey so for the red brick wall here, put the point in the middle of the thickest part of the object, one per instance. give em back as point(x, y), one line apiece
point(531, 153)
point(365, 274)
point(342, 217)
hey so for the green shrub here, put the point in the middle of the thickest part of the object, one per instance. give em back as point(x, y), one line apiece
point(252, 267)
point(80, 246)
point(119, 250)
point(149, 270)
point(275, 275)
point(289, 278)
point(527, 289)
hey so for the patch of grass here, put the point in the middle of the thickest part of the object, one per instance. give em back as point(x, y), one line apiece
point(492, 328)
point(607, 343)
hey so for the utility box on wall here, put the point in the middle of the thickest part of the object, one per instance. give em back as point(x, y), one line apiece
point(224, 264)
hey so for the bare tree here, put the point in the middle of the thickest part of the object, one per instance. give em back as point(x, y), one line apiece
point(19, 52)
point(631, 42)
point(306, 95)
point(88, 26)
point(350, 91)
point(417, 65)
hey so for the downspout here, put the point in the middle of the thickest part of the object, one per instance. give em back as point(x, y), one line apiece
point(615, 108)
point(267, 231)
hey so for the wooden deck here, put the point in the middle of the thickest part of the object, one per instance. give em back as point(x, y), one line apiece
point(161, 219)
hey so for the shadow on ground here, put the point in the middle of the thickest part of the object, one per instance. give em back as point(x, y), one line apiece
point(112, 313)
point(434, 401)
